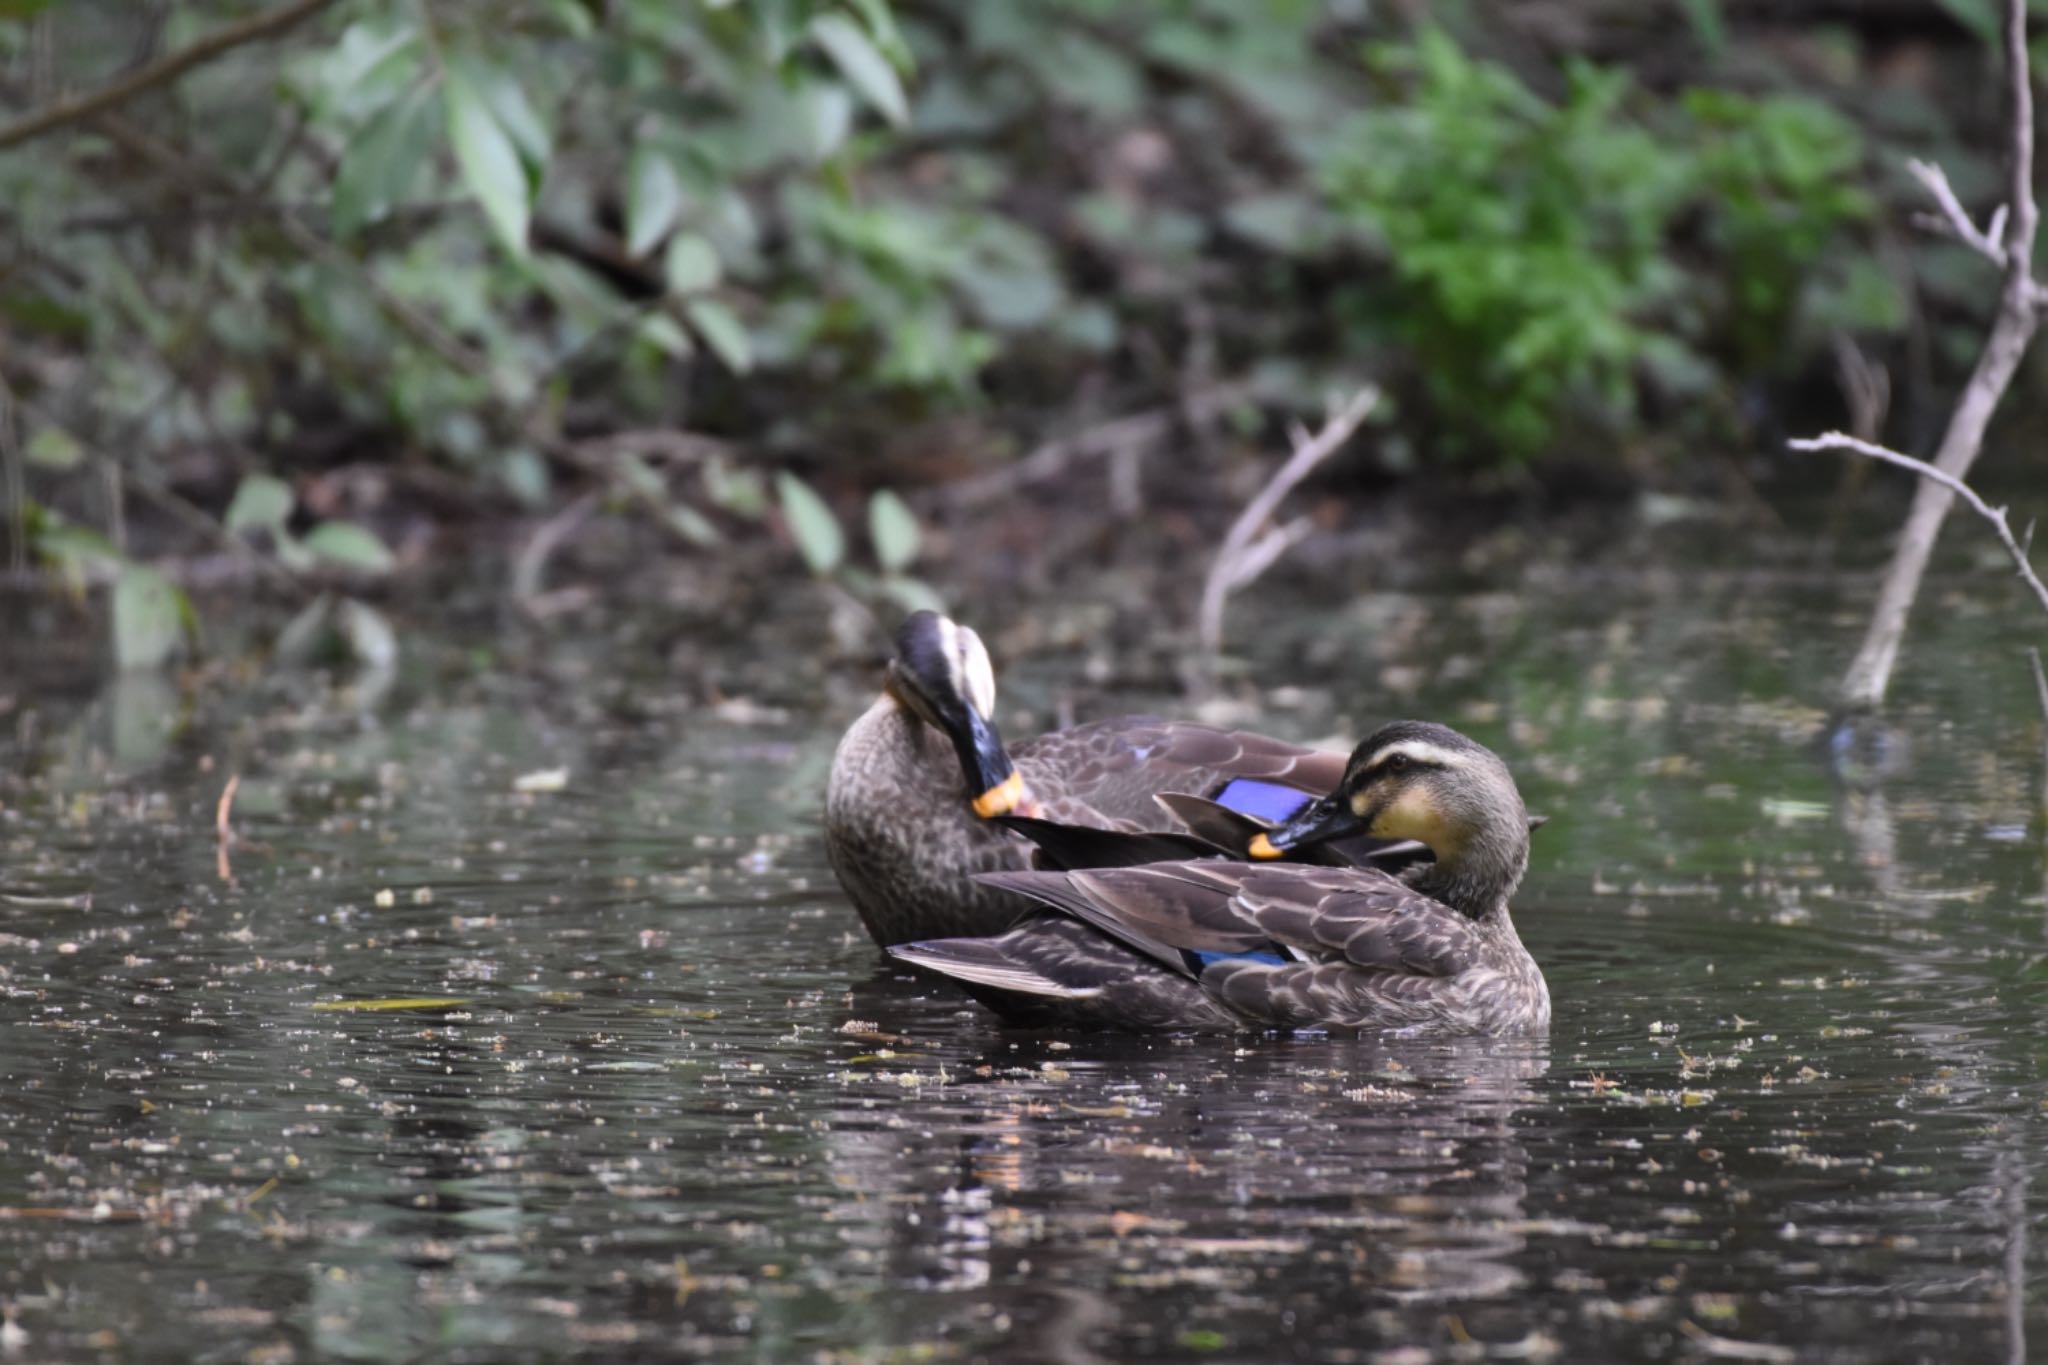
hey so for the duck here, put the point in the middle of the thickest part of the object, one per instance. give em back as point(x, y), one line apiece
point(1217, 944)
point(925, 802)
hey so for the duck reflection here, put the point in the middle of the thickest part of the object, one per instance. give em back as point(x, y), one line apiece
point(1188, 1193)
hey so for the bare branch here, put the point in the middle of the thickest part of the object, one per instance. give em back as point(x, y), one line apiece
point(2010, 243)
point(1836, 440)
point(1241, 559)
point(1954, 217)
point(156, 73)
point(1261, 554)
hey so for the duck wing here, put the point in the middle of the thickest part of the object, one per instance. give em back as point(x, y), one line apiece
point(1106, 773)
point(1070, 846)
point(1055, 972)
point(1288, 945)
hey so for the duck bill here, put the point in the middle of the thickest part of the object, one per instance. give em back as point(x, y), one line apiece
point(997, 785)
point(1321, 822)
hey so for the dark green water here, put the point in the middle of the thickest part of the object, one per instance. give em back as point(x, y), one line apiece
point(1792, 1107)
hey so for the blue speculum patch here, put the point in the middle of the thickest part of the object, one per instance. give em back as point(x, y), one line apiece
point(1204, 959)
point(1263, 800)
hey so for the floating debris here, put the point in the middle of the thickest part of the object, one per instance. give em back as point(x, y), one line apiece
point(392, 1005)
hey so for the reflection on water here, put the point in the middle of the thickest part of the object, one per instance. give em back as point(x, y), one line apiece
point(1792, 1106)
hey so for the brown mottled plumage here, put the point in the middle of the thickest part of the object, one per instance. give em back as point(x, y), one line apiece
point(1209, 945)
point(900, 826)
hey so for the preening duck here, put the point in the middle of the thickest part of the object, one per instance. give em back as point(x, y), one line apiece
point(1210, 944)
point(922, 790)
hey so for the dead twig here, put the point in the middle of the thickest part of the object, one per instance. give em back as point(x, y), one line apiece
point(1053, 458)
point(223, 831)
point(1249, 549)
point(158, 72)
point(1836, 440)
point(529, 570)
point(2008, 242)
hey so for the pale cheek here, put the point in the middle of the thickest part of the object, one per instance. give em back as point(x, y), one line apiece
point(1413, 818)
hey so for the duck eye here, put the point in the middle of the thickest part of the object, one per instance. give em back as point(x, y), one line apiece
point(1397, 763)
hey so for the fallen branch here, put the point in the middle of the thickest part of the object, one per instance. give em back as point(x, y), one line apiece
point(1247, 553)
point(164, 69)
point(1836, 440)
point(1052, 458)
point(2009, 242)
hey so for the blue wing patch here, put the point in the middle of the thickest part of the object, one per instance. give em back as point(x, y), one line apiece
point(1204, 959)
point(1269, 801)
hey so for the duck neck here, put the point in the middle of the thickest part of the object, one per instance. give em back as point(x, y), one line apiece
point(1478, 881)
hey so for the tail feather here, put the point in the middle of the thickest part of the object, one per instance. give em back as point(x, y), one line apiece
point(983, 962)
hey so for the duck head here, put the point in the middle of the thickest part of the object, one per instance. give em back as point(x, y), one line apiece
point(1422, 781)
point(942, 675)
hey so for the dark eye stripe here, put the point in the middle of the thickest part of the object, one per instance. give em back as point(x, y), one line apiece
point(1395, 762)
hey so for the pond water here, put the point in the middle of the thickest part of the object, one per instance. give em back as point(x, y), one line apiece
point(671, 1105)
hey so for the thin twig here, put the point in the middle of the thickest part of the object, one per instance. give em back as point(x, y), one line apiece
point(1953, 217)
point(156, 73)
point(223, 831)
point(1052, 458)
point(1837, 440)
point(531, 565)
point(1243, 558)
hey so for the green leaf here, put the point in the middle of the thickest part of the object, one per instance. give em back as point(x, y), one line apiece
point(1978, 16)
point(882, 28)
point(304, 634)
point(381, 164)
point(811, 522)
point(368, 635)
point(525, 474)
point(723, 332)
point(736, 489)
point(641, 479)
point(54, 448)
point(654, 199)
point(911, 594)
point(489, 161)
point(666, 335)
point(344, 542)
point(863, 65)
point(507, 98)
point(1708, 24)
point(893, 532)
point(825, 114)
point(693, 525)
point(74, 552)
point(149, 618)
point(692, 264)
point(261, 503)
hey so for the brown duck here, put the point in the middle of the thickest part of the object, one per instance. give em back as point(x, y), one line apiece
point(1207, 945)
point(922, 793)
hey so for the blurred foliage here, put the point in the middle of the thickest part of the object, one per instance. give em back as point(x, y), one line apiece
point(1549, 257)
point(497, 247)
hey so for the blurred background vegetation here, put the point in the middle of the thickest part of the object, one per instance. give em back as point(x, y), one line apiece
point(351, 286)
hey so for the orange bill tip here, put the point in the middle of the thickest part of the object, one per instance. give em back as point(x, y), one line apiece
point(1262, 847)
point(1002, 798)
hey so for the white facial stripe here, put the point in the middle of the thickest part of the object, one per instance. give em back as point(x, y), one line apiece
point(1422, 751)
point(1416, 751)
point(978, 675)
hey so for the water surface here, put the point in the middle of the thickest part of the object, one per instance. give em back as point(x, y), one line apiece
point(1792, 1106)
